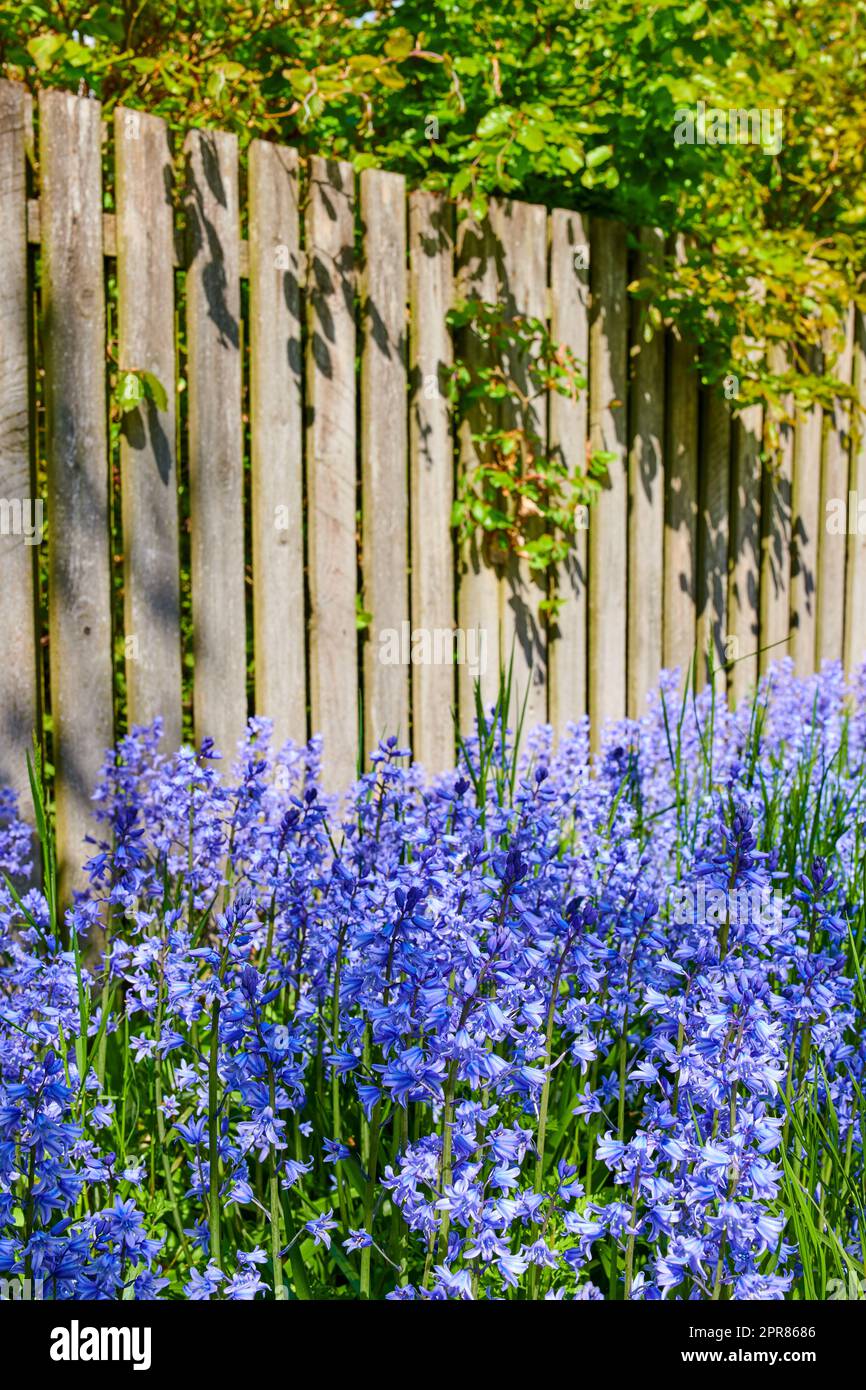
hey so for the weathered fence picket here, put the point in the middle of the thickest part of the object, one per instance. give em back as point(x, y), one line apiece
point(704, 536)
point(276, 439)
point(520, 230)
point(331, 466)
point(148, 453)
point(714, 492)
point(431, 479)
point(745, 551)
point(478, 582)
point(776, 540)
point(384, 455)
point(646, 489)
point(608, 529)
point(213, 309)
point(681, 507)
point(855, 598)
point(568, 437)
point(76, 449)
point(19, 699)
point(832, 549)
point(806, 517)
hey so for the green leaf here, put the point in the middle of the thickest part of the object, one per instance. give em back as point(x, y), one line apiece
point(77, 55)
point(300, 81)
point(133, 387)
point(399, 44)
point(44, 49)
point(155, 390)
point(598, 155)
point(571, 159)
point(494, 122)
point(531, 137)
point(129, 392)
point(363, 619)
point(479, 206)
point(216, 84)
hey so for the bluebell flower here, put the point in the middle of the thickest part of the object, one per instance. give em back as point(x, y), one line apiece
point(320, 1228)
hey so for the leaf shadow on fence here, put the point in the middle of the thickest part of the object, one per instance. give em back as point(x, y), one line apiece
point(202, 234)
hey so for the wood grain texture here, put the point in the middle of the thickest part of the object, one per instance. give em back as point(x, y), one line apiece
point(384, 453)
point(714, 486)
point(569, 436)
point(478, 578)
point(331, 468)
point(646, 489)
point(145, 284)
point(276, 441)
point(73, 326)
point(855, 603)
point(215, 439)
point(431, 456)
point(833, 546)
point(520, 230)
point(608, 525)
point(20, 532)
point(805, 530)
point(776, 500)
point(681, 507)
point(744, 601)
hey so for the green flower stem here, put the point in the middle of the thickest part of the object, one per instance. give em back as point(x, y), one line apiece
point(213, 1136)
point(299, 1269)
point(629, 1254)
point(158, 1112)
point(336, 1119)
point(541, 1134)
point(370, 1196)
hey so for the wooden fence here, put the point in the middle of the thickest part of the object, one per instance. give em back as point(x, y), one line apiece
point(311, 480)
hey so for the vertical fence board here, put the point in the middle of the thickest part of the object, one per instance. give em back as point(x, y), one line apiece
point(745, 558)
point(714, 485)
point(776, 539)
point(70, 150)
point(521, 231)
point(19, 702)
point(568, 436)
point(215, 438)
point(681, 507)
point(431, 491)
point(855, 606)
point(384, 478)
point(608, 547)
point(331, 473)
point(276, 440)
point(832, 545)
point(145, 283)
point(805, 527)
point(478, 587)
point(646, 490)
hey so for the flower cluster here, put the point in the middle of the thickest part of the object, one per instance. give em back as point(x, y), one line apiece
point(450, 1038)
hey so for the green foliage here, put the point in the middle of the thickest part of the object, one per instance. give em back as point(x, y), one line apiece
point(363, 619)
point(521, 495)
point(133, 388)
point(553, 100)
